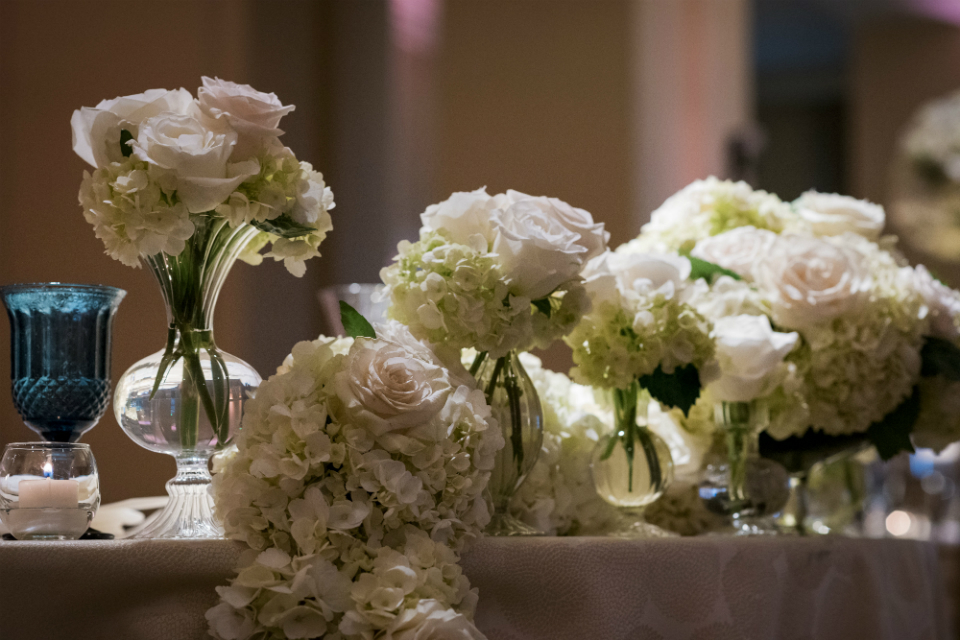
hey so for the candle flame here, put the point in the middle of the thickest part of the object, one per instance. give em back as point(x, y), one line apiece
point(48, 470)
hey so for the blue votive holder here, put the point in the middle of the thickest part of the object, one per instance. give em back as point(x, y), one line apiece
point(60, 338)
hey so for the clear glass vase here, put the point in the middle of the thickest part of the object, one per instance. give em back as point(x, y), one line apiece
point(632, 466)
point(737, 482)
point(187, 399)
point(516, 405)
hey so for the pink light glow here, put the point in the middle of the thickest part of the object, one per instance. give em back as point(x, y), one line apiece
point(414, 24)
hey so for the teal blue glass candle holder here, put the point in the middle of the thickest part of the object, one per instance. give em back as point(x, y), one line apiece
point(60, 336)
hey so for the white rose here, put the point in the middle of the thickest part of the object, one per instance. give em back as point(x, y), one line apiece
point(465, 217)
point(831, 214)
point(942, 301)
point(254, 115)
point(592, 234)
point(536, 252)
point(431, 620)
point(96, 131)
point(811, 281)
point(686, 449)
point(749, 352)
point(649, 273)
point(385, 388)
point(197, 154)
point(737, 250)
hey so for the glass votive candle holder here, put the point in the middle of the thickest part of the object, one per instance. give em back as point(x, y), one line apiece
point(48, 490)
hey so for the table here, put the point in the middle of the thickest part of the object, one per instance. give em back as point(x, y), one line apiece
point(709, 588)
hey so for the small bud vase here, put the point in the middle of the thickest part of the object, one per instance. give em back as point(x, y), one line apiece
point(515, 404)
point(187, 399)
point(737, 482)
point(632, 466)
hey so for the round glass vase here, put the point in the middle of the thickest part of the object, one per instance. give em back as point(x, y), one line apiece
point(737, 482)
point(515, 404)
point(632, 466)
point(187, 399)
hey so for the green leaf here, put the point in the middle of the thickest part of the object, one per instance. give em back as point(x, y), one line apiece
point(284, 226)
point(892, 434)
point(708, 270)
point(611, 445)
point(125, 137)
point(940, 358)
point(543, 306)
point(355, 324)
point(678, 389)
point(221, 393)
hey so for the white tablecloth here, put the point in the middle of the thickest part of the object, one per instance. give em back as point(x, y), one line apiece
point(530, 589)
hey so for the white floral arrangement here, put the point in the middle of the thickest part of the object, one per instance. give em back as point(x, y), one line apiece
point(496, 273)
point(847, 326)
point(356, 483)
point(162, 159)
point(642, 325)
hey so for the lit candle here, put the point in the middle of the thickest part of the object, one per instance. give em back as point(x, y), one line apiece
point(49, 494)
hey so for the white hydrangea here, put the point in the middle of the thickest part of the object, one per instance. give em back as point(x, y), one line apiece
point(709, 207)
point(497, 273)
point(357, 480)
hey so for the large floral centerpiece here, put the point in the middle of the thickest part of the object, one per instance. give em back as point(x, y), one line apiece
point(500, 274)
point(925, 186)
point(357, 480)
point(186, 186)
point(874, 335)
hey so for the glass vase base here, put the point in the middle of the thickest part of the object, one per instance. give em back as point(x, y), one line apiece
point(757, 527)
point(633, 529)
point(504, 524)
point(184, 518)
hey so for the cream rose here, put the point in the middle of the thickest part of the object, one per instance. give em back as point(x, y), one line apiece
point(811, 281)
point(593, 237)
point(96, 131)
point(254, 115)
point(750, 353)
point(384, 387)
point(831, 214)
point(537, 253)
point(465, 217)
point(197, 153)
point(737, 250)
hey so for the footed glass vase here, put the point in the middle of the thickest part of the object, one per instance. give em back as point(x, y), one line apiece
point(632, 466)
point(515, 404)
point(737, 482)
point(187, 399)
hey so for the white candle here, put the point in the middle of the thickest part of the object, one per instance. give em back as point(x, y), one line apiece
point(49, 494)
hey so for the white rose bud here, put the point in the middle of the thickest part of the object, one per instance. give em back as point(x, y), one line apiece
point(537, 253)
point(96, 131)
point(811, 281)
point(831, 214)
point(253, 114)
point(465, 216)
point(749, 352)
point(197, 154)
point(737, 250)
point(431, 620)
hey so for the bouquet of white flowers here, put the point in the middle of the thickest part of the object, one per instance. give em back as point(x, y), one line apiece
point(169, 168)
point(847, 328)
point(496, 273)
point(357, 481)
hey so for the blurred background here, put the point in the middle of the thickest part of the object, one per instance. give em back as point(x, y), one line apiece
point(611, 105)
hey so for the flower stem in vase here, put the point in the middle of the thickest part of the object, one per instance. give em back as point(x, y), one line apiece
point(515, 404)
point(628, 476)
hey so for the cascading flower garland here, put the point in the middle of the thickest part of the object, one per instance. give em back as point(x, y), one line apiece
point(357, 481)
